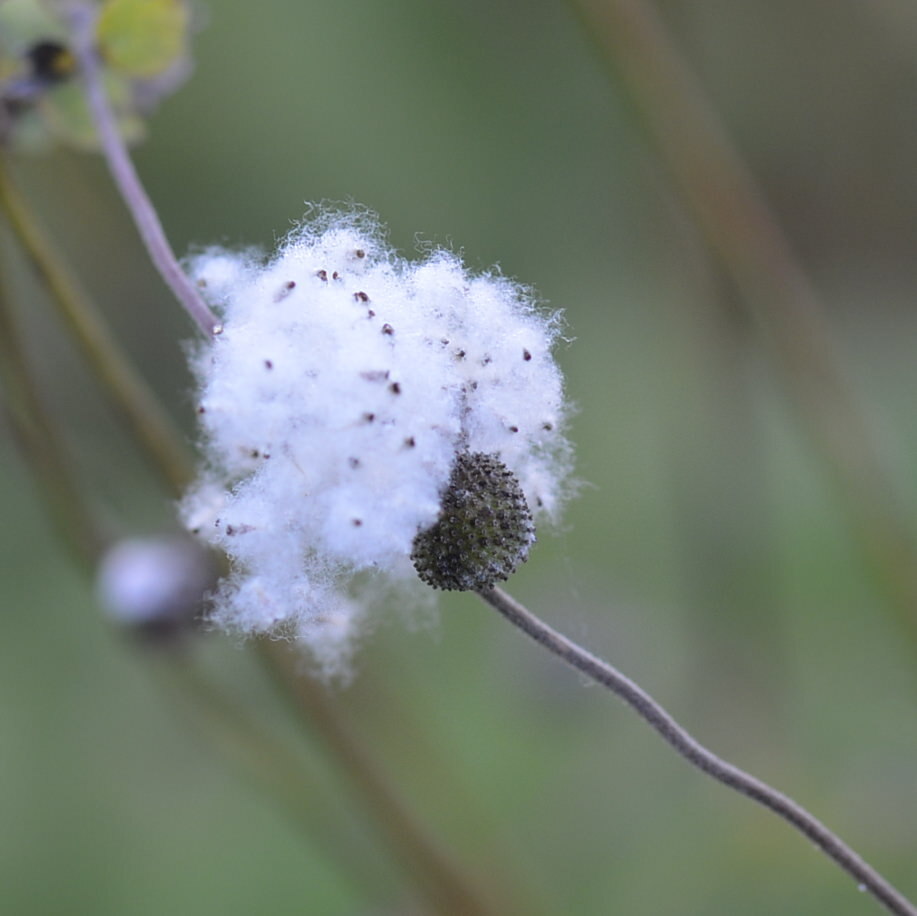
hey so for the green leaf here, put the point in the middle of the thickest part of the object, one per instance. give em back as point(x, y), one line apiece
point(142, 38)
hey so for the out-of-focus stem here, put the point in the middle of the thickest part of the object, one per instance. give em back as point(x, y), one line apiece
point(740, 228)
point(696, 754)
point(148, 423)
point(125, 176)
point(41, 446)
point(272, 767)
point(447, 889)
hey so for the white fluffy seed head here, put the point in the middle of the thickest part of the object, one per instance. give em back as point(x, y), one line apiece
point(333, 405)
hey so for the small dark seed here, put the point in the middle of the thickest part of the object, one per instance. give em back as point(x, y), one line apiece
point(353, 462)
point(526, 355)
point(410, 442)
point(357, 522)
point(388, 329)
point(369, 417)
point(268, 364)
point(361, 296)
point(322, 275)
point(360, 253)
point(395, 388)
point(284, 290)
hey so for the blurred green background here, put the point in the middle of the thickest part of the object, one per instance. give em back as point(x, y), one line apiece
point(709, 556)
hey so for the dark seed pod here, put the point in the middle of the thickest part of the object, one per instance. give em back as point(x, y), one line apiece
point(484, 530)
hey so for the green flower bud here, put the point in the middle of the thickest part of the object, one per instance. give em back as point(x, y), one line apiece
point(484, 529)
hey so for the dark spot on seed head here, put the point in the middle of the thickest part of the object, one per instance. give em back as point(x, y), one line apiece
point(526, 355)
point(410, 442)
point(361, 296)
point(335, 276)
point(369, 417)
point(202, 409)
point(353, 462)
point(547, 427)
point(268, 364)
point(370, 314)
point(395, 388)
point(284, 290)
point(322, 275)
point(514, 429)
point(459, 354)
point(388, 329)
point(360, 253)
point(357, 522)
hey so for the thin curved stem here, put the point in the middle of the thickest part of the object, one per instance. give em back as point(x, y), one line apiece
point(145, 418)
point(126, 178)
point(696, 754)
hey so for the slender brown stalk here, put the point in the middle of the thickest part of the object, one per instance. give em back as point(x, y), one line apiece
point(447, 888)
point(740, 228)
point(42, 446)
point(125, 175)
point(867, 878)
point(147, 422)
point(273, 767)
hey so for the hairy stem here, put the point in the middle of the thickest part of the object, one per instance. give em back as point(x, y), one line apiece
point(126, 178)
point(147, 422)
point(696, 754)
point(447, 888)
point(742, 231)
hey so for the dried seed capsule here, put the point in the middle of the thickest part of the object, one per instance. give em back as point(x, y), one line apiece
point(484, 529)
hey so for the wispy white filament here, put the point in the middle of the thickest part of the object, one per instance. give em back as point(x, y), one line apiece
point(345, 382)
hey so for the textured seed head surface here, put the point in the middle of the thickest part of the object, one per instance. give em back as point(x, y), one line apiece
point(484, 529)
